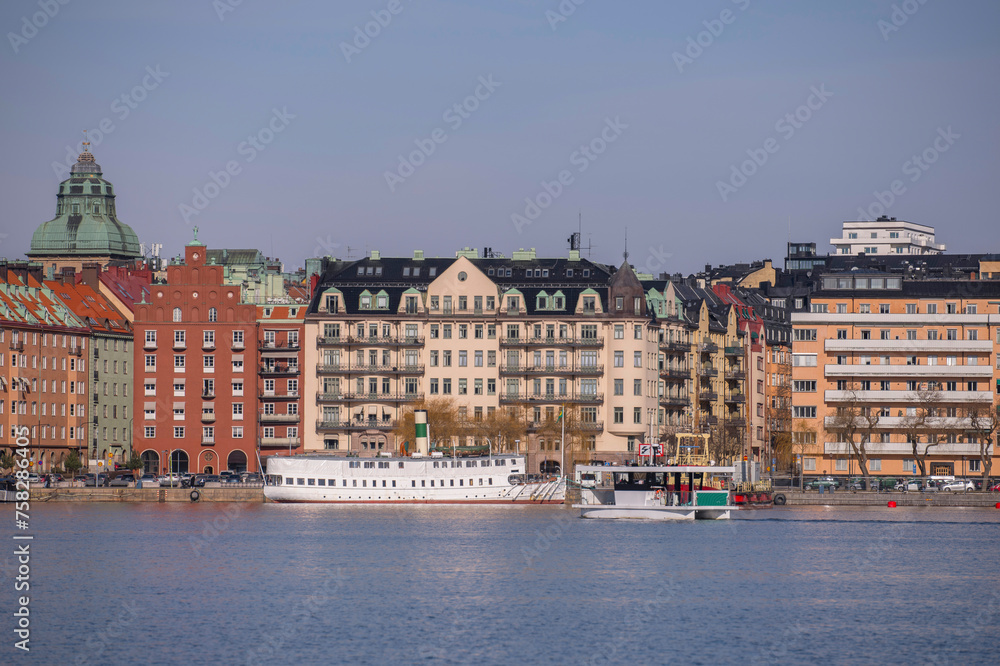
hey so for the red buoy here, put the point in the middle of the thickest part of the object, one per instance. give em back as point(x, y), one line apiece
point(892, 505)
point(998, 505)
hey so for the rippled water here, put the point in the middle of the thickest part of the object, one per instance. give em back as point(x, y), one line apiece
point(151, 583)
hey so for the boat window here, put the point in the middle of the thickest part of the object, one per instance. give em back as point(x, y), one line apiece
point(432, 483)
point(321, 482)
point(453, 482)
point(300, 482)
point(490, 482)
point(393, 483)
point(354, 483)
point(312, 482)
point(289, 481)
point(435, 464)
point(470, 463)
point(461, 482)
point(423, 483)
point(354, 463)
point(344, 482)
point(383, 483)
point(364, 483)
point(400, 465)
point(486, 463)
point(480, 481)
point(413, 483)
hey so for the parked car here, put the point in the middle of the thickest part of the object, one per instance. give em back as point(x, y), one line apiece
point(824, 482)
point(251, 477)
point(958, 485)
point(170, 480)
point(934, 485)
point(201, 479)
point(549, 467)
point(995, 488)
point(859, 483)
point(34, 479)
point(232, 478)
point(121, 481)
point(149, 481)
point(99, 480)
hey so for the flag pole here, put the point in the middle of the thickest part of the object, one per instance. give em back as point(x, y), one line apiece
point(562, 447)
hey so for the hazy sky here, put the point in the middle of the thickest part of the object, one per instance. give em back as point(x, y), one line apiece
point(648, 111)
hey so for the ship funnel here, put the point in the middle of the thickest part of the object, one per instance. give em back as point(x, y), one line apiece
point(420, 424)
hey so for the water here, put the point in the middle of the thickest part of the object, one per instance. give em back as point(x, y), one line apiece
point(152, 583)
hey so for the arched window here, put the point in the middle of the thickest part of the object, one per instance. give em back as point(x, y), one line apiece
point(177, 314)
point(213, 314)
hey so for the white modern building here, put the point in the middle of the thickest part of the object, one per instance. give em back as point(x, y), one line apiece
point(886, 235)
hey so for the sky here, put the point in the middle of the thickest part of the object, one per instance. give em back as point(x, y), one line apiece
point(693, 133)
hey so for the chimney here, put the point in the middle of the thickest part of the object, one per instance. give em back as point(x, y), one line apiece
point(90, 275)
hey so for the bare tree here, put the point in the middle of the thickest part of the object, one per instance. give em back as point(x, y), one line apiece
point(984, 421)
point(443, 422)
point(923, 422)
point(854, 423)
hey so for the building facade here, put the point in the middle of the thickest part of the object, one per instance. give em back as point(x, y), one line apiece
point(908, 368)
point(886, 236)
point(196, 396)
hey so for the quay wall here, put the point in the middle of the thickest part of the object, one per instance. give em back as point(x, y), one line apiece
point(146, 494)
point(798, 498)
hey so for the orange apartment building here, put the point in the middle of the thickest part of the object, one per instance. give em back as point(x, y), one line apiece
point(43, 370)
point(915, 357)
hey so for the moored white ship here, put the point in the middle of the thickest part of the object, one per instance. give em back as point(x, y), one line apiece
point(418, 479)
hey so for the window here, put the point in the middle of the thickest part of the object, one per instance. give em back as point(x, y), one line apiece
point(841, 465)
point(805, 360)
point(150, 362)
point(619, 387)
point(637, 415)
point(804, 412)
point(802, 386)
point(637, 359)
point(178, 432)
point(637, 332)
point(809, 464)
point(804, 334)
point(619, 415)
point(619, 330)
point(637, 387)
point(177, 314)
point(619, 359)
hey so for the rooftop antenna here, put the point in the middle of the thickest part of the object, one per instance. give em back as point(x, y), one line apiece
point(625, 253)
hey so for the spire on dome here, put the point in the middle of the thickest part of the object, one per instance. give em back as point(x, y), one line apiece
point(85, 163)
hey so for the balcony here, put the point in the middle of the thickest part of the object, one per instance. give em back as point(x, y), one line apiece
point(551, 398)
point(207, 395)
point(708, 348)
point(733, 351)
point(238, 345)
point(884, 371)
point(208, 417)
point(292, 395)
point(149, 345)
point(708, 396)
point(907, 397)
point(76, 351)
point(279, 442)
point(909, 346)
point(735, 398)
point(368, 397)
point(675, 373)
point(675, 401)
point(208, 441)
point(736, 374)
point(179, 345)
point(551, 342)
point(707, 371)
point(278, 370)
point(905, 449)
point(590, 426)
point(710, 420)
point(370, 424)
point(736, 422)
point(551, 370)
point(280, 418)
point(208, 345)
point(17, 346)
point(675, 346)
point(271, 346)
point(896, 422)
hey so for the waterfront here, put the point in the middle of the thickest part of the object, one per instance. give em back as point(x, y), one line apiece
point(166, 583)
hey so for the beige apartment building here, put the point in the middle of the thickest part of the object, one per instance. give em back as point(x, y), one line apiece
point(907, 367)
point(546, 341)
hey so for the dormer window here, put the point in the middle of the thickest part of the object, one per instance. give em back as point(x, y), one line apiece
point(569, 272)
point(366, 301)
point(586, 272)
point(361, 270)
point(406, 271)
point(432, 271)
point(382, 301)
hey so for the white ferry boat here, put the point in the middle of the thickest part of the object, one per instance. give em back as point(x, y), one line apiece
point(434, 478)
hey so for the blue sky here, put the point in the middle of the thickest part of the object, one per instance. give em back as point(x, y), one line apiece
point(645, 125)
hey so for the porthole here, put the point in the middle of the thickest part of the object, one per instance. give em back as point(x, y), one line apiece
point(462, 276)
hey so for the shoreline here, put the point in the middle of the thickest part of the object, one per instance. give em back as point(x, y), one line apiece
point(256, 495)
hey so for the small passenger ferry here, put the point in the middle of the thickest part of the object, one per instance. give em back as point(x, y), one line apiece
point(434, 478)
point(690, 487)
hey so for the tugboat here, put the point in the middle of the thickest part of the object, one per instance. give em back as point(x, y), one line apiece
point(692, 488)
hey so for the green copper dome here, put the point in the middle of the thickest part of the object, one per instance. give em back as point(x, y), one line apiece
point(85, 222)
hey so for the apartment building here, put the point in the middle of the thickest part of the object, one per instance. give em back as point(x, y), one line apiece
point(109, 358)
point(900, 365)
point(43, 369)
point(886, 235)
point(279, 378)
point(196, 396)
point(532, 337)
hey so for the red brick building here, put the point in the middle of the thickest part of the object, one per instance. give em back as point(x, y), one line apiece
point(196, 352)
